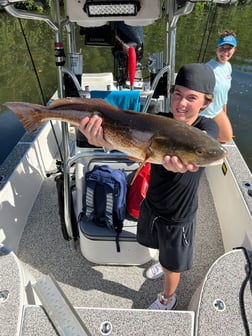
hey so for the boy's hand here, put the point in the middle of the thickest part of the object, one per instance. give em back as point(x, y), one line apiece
point(174, 164)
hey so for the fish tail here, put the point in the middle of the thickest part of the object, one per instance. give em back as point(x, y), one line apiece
point(28, 114)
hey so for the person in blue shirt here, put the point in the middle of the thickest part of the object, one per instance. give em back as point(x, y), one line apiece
point(168, 213)
point(225, 49)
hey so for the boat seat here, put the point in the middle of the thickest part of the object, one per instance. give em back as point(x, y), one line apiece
point(96, 232)
point(94, 239)
point(97, 81)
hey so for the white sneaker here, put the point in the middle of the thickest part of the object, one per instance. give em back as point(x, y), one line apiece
point(154, 272)
point(162, 303)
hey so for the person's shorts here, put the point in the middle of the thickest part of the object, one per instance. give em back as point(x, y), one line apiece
point(174, 240)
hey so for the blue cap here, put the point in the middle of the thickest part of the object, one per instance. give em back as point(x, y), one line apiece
point(229, 39)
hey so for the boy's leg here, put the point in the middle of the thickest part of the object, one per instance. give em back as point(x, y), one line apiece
point(167, 300)
point(171, 281)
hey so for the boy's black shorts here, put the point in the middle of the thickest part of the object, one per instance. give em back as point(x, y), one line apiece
point(173, 239)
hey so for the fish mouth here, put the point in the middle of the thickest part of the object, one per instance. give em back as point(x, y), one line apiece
point(214, 163)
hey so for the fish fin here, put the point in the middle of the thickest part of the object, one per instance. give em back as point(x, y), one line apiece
point(88, 104)
point(30, 124)
point(26, 114)
point(60, 102)
point(74, 100)
point(133, 158)
point(137, 171)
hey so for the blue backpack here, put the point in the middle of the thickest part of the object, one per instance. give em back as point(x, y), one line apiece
point(105, 198)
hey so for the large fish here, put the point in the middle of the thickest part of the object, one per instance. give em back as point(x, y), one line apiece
point(145, 137)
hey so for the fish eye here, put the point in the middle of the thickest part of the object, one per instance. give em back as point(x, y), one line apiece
point(200, 151)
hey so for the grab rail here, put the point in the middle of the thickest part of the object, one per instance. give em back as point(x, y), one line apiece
point(154, 85)
point(27, 15)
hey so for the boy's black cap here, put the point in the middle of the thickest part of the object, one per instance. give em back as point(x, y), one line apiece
point(196, 76)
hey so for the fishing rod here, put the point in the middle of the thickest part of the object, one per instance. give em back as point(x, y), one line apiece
point(208, 31)
point(42, 96)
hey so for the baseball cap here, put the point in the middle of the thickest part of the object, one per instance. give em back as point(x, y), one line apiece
point(229, 39)
point(196, 76)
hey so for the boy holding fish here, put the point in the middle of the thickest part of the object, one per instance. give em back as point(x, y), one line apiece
point(167, 216)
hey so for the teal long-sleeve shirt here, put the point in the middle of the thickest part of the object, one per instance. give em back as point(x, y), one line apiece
point(223, 76)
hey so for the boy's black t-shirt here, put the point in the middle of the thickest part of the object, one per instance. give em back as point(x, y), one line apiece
point(174, 195)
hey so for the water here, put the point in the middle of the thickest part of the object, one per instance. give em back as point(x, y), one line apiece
point(10, 132)
point(240, 111)
point(18, 80)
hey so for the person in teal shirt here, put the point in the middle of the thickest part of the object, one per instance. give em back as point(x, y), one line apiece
point(217, 110)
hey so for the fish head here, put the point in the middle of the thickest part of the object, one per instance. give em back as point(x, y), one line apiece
point(203, 156)
point(199, 148)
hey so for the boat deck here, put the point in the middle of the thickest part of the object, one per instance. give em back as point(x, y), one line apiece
point(123, 293)
point(43, 250)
